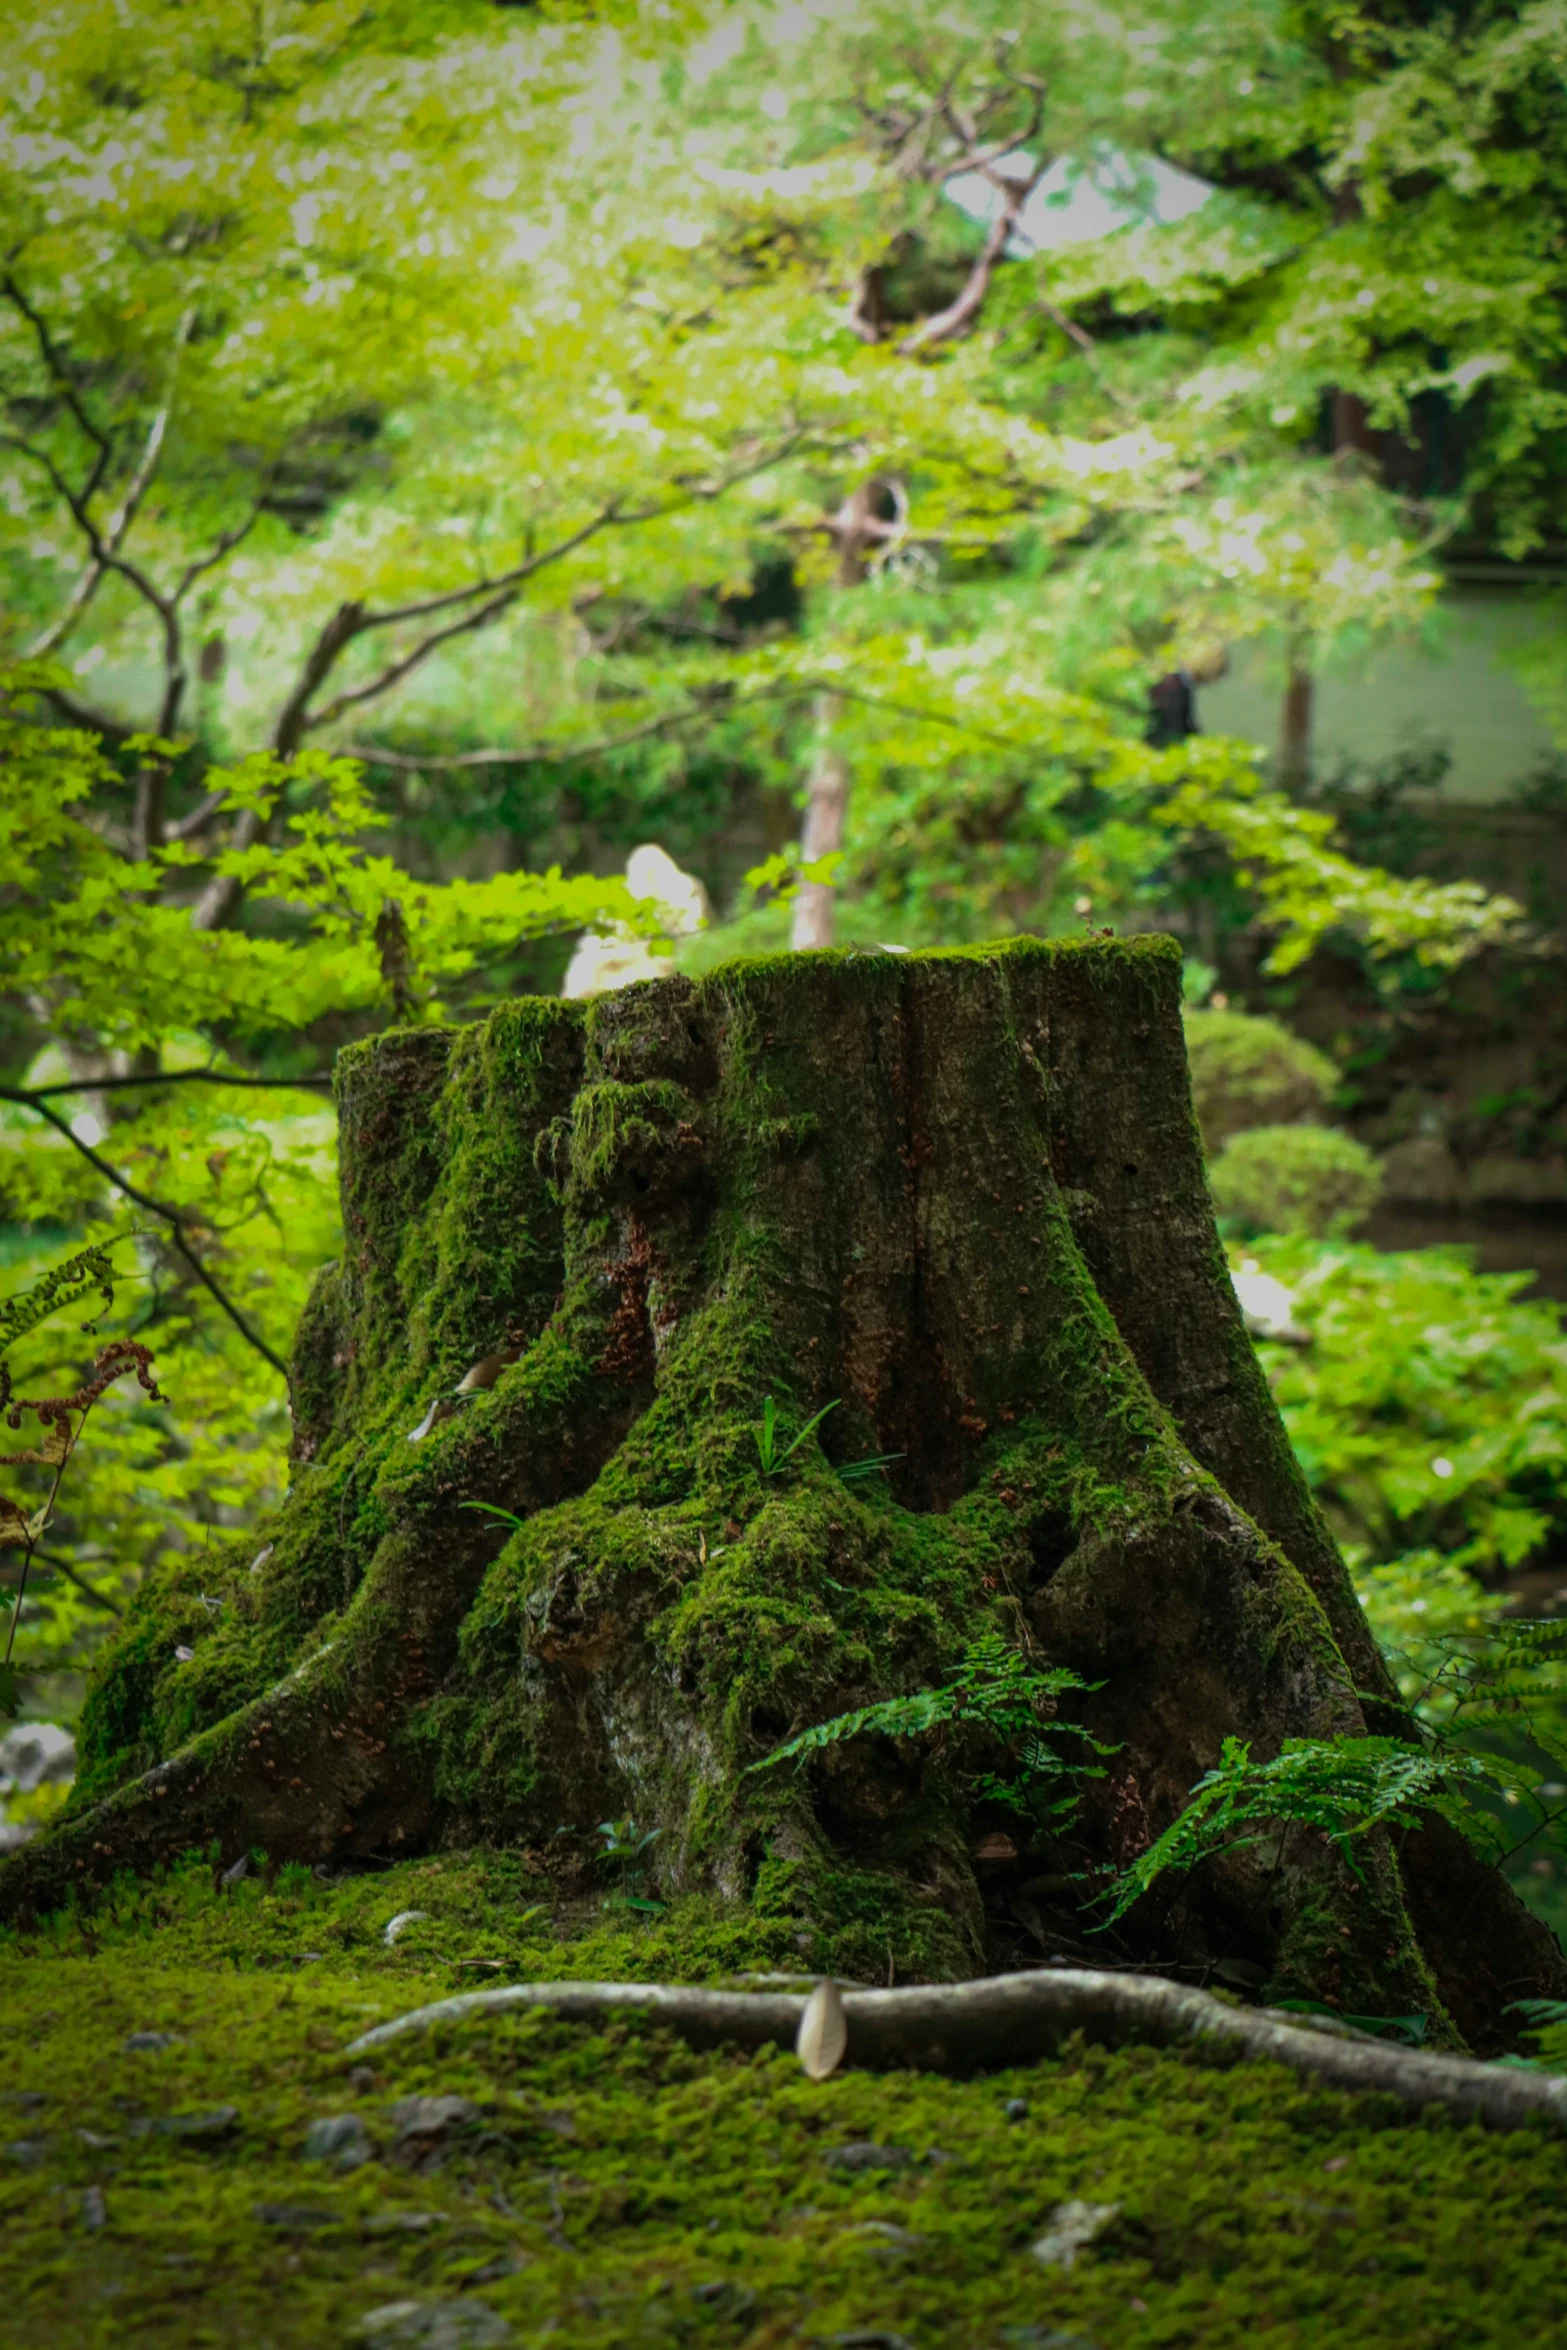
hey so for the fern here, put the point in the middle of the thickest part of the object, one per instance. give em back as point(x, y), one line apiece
point(1343, 1787)
point(993, 1689)
point(61, 1418)
point(1496, 1695)
point(62, 1285)
point(1546, 2025)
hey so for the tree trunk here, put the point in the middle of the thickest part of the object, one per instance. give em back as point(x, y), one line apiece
point(958, 1198)
point(1295, 732)
point(826, 807)
point(872, 516)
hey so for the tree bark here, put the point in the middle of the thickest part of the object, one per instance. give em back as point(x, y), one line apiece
point(959, 1199)
point(1295, 732)
point(826, 807)
point(872, 516)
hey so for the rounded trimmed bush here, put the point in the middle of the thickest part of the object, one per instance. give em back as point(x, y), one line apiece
point(1249, 1072)
point(1308, 1179)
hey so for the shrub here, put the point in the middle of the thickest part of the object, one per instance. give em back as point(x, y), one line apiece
point(1249, 1072)
point(1306, 1179)
point(1429, 1413)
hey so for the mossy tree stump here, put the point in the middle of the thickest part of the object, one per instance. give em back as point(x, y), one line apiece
point(959, 1197)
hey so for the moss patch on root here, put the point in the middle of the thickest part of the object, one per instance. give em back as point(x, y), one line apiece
point(616, 2188)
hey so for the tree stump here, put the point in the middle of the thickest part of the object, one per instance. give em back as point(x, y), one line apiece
point(959, 1198)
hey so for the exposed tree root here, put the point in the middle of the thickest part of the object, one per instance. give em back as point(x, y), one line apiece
point(1007, 2019)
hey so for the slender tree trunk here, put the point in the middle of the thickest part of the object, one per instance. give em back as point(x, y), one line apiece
point(1352, 433)
point(826, 807)
point(956, 1203)
point(1295, 732)
point(1354, 445)
point(872, 516)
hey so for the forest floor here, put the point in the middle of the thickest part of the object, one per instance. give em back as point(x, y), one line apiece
point(165, 2062)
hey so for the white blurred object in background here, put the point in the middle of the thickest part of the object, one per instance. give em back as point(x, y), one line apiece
point(601, 963)
point(33, 1755)
point(1083, 197)
point(1267, 1307)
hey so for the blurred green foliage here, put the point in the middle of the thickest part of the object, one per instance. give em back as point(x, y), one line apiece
point(224, 1193)
point(1429, 1411)
point(1307, 1178)
point(1248, 1071)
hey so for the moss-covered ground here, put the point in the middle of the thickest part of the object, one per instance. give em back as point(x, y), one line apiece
point(608, 2188)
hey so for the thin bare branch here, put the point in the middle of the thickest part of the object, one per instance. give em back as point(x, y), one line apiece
point(82, 714)
point(154, 1207)
point(84, 588)
point(395, 671)
point(41, 1093)
point(960, 315)
point(969, 133)
point(490, 597)
point(108, 558)
point(509, 585)
point(607, 517)
point(59, 375)
point(793, 689)
point(49, 1558)
point(408, 763)
point(222, 893)
point(201, 814)
point(562, 755)
point(223, 545)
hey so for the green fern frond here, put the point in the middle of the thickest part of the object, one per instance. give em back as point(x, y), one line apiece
point(1343, 1787)
point(992, 1687)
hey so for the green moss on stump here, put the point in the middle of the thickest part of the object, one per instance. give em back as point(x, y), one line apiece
point(959, 1198)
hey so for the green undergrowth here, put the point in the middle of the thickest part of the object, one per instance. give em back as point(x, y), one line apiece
point(613, 2187)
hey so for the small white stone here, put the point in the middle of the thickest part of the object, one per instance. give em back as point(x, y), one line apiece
point(1073, 2227)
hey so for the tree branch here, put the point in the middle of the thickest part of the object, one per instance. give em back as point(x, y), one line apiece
point(154, 1207)
point(59, 376)
point(503, 590)
point(124, 514)
point(107, 558)
point(224, 544)
point(353, 620)
point(49, 1558)
point(83, 715)
point(201, 814)
point(40, 1093)
point(222, 892)
point(519, 574)
point(568, 755)
point(794, 689)
point(961, 314)
point(1004, 2020)
point(407, 663)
